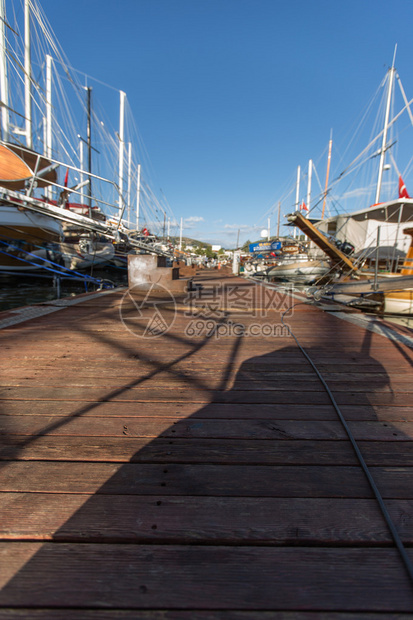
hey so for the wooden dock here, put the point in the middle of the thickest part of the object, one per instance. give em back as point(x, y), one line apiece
point(202, 473)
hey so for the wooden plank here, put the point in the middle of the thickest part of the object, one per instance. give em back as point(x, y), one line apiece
point(205, 383)
point(184, 410)
point(205, 480)
point(171, 395)
point(199, 614)
point(188, 520)
point(140, 368)
point(230, 411)
point(175, 376)
point(224, 451)
point(257, 428)
point(206, 577)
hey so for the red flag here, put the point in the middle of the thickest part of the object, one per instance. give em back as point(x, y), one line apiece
point(145, 231)
point(66, 177)
point(303, 206)
point(402, 189)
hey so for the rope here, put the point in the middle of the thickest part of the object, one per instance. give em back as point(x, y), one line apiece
point(395, 535)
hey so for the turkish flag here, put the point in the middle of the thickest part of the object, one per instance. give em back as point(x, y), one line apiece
point(303, 206)
point(402, 189)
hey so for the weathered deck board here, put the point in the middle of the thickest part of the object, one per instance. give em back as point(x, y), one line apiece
point(198, 614)
point(174, 427)
point(193, 477)
point(225, 411)
point(186, 577)
point(186, 520)
point(228, 451)
point(204, 480)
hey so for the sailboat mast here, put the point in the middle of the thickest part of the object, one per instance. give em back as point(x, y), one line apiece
point(48, 136)
point(279, 217)
point(48, 143)
point(121, 146)
point(310, 174)
point(89, 147)
point(82, 176)
point(27, 75)
point(138, 197)
point(129, 178)
point(297, 195)
point(330, 145)
point(4, 87)
point(392, 71)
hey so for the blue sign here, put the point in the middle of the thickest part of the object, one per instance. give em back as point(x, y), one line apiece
point(265, 246)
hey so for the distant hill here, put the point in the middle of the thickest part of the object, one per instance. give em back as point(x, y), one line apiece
point(194, 242)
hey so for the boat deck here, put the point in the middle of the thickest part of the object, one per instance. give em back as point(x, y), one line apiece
point(204, 473)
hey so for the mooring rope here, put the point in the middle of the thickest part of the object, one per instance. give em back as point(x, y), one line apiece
point(390, 524)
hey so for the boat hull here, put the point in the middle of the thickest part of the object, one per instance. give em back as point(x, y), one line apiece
point(300, 272)
point(25, 238)
point(399, 302)
point(77, 256)
point(22, 224)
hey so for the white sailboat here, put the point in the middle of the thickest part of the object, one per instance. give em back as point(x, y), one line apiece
point(41, 150)
point(380, 234)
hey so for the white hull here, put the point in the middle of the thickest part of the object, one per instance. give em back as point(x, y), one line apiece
point(23, 235)
point(28, 225)
point(302, 272)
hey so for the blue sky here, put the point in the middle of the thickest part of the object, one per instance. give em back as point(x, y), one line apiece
point(230, 96)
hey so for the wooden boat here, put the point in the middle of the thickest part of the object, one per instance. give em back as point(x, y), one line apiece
point(25, 236)
point(390, 293)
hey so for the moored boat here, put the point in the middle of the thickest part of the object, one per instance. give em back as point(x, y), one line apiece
point(298, 268)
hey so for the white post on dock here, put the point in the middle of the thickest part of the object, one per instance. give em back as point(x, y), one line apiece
point(4, 84)
point(27, 75)
point(121, 147)
point(138, 197)
point(180, 234)
point(235, 263)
